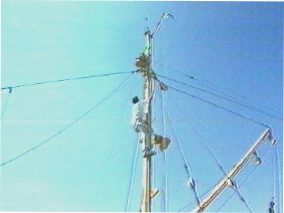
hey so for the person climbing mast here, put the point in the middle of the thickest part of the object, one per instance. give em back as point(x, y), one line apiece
point(139, 115)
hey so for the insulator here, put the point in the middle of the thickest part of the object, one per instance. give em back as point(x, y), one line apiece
point(192, 183)
point(258, 161)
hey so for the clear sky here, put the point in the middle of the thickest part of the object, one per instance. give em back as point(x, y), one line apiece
point(227, 46)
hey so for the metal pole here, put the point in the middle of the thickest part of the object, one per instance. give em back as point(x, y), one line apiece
point(227, 180)
point(146, 138)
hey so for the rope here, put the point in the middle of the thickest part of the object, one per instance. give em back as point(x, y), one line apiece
point(218, 106)
point(187, 166)
point(165, 154)
point(71, 124)
point(66, 79)
point(129, 197)
point(220, 96)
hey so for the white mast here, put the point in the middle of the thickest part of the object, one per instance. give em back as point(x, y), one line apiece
point(147, 138)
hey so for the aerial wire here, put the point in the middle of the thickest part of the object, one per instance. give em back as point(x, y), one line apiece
point(192, 183)
point(224, 170)
point(67, 79)
point(71, 124)
point(220, 96)
point(242, 198)
point(201, 137)
point(218, 106)
point(241, 98)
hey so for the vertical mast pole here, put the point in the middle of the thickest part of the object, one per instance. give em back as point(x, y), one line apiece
point(146, 138)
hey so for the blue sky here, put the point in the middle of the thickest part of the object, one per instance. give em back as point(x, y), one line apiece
point(235, 45)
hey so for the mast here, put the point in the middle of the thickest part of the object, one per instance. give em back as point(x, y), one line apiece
point(144, 63)
point(146, 138)
point(236, 169)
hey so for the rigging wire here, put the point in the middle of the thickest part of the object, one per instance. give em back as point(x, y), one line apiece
point(243, 184)
point(201, 137)
point(241, 98)
point(67, 79)
point(245, 202)
point(134, 165)
point(195, 201)
point(243, 199)
point(279, 196)
point(274, 173)
point(192, 183)
point(111, 155)
point(71, 124)
point(220, 96)
point(218, 106)
point(6, 104)
point(165, 153)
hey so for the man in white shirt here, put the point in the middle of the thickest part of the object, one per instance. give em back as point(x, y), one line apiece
point(139, 115)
